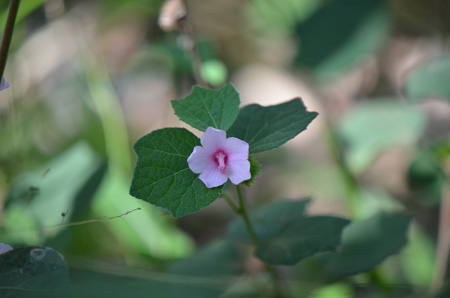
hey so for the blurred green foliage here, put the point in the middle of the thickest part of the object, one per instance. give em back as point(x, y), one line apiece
point(66, 136)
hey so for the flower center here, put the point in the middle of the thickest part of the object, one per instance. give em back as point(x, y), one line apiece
point(221, 160)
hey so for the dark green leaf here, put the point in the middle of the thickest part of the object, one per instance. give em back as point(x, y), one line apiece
point(287, 236)
point(265, 128)
point(219, 260)
point(426, 178)
point(205, 274)
point(33, 272)
point(269, 220)
point(204, 108)
point(365, 244)
point(429, 80)
point(358, 28)
point(162, 176)
point(304, 238)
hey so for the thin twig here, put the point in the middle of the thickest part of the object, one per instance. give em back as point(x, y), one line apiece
point(7, 34)
point(77, 223)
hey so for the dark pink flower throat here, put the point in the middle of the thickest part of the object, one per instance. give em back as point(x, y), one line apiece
point(221, 159)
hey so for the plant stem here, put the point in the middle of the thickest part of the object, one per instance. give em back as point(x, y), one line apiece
point(232, 205)
point(271, 270)
point(443, 241)
point(8, 33)
point(352, 196)
point(243, 212)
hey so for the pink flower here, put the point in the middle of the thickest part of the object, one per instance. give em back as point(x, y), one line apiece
point(220, 158)
point(3, 84)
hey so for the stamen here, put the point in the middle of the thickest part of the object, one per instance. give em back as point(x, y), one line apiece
point(221, 160)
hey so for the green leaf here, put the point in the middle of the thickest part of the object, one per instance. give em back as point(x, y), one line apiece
point(360, 28)
point(162, 176)
point(25, 8)
point(204, 108)
point(268, 220)
point(207, 273)
point(287, 236)
point(306, 237)
point(266, 128)
point(46, 193)
point(418, 271)
point(365, 244)
point(429, 80)
point(375, 125)
point(426, 177)
point(29, 270)
point(219, 259)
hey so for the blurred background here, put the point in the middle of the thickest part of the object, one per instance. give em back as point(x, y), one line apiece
point(90, 77)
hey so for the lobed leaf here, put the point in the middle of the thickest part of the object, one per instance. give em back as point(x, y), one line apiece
point(266, 128)
point(203, 108)
point(306, 237)
point(287, 236)
point(162, 176)
point(268, 220)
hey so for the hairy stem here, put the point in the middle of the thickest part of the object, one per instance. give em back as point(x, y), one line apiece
point(7, 34)
point(271, 270)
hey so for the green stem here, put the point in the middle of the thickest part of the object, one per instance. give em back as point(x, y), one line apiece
point(352, 197)
point(243, 212)
point(271, 270)
point(232, 205)
point(8, 33)
point(443, 240)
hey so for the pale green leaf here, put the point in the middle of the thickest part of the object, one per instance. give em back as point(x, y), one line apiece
point(429, 80)
point(376, 125)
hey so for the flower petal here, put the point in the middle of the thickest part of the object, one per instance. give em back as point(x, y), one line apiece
point(5, 248)
point(239, 171)
point(199, 159)
point(212, 177)
point(3, 84)
point(236, 149)
point(214, 139)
